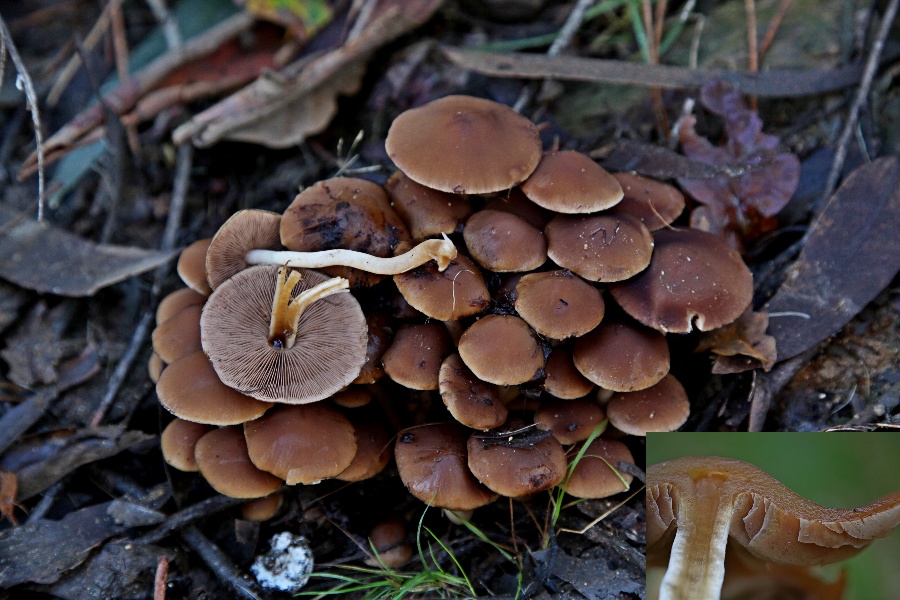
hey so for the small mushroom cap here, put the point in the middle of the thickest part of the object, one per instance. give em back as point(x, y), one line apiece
point(175, 302)
point(389, 538)
point(302, 444)
point(374, 448)
point(431, 460)
point(426, 211)
point(355, 396)
point(456, 292)
point(515, 202)
point(622, 356)
point(570, 182)
point(592, 477)
point(415, 356)
point(155, 366)
point(380, 332)
point(655, 203)
point(329, 351)
point(661, 407)
point(192, 267)
point(558, 304)
point(501, 349)
point(563, 380)
point(262, 509)
point(516, 470)
point(472, 402)
point(245, 230)
point(178, 440)
point(694, 280)
point(599, 247)
point(179, 335)
point(224, 463)
point(502, 242)
point(190, 389)
point(464, 145)
point(570, 421)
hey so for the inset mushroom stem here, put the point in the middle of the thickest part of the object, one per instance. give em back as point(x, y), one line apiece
point(441, 251)
point(286, 311)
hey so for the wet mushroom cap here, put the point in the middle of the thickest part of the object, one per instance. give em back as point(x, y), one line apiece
point(655, 203)
point(695, 280)
point(592, 477)
point(501, 349)
point(414, 358)
point(302, 444)
point(190, 389)
point(223, 461)
point(175, 302)
point(502, 242)
point(599, 247)
point(245, 230)
point(177, 442)
point(192, 267)
point(464, 145)
point(622, 356)
point(558, 304)
point(458, 291)
point(426, 211)
point(661, 407)
point(515, 202)
point(516, 471)
point(374, 448)
point(471, 401)
point(570, 182)
point(330, 345)
point(431, 460)
point(562, 379)
point(570, 421)
point(179, 335)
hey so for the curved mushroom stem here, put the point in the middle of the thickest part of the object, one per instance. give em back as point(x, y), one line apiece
point(286, 311)
point(441, 251)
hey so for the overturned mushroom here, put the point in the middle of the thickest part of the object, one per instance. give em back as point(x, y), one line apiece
point(696, 504)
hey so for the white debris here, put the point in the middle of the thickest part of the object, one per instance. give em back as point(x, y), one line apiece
point(286, 566)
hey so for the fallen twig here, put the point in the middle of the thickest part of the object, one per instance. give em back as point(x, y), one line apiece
point(220, 564)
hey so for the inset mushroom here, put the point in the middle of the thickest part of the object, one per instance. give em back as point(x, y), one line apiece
point(661, 407)
point(599, 247)
point(502, 349)
point(502, 242)
point(426, 211)
point(558, 304)
point(244, 231)
point(622, 356)
point(654, 202)
point(414, 357)
point(224, 463)
point(570, 182)
point(471, 401)
point(516, 466)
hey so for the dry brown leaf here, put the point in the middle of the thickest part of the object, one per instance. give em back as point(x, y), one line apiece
point(9, 488)
point(742, 345)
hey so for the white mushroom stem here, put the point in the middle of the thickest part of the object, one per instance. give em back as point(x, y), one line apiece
point(441, 251)
point(286, 311)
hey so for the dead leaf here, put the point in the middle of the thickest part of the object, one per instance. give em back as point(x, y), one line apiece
point(742, 345)
point(852, 252)
point(46, 259)
point(9, 489)
point(120, 569)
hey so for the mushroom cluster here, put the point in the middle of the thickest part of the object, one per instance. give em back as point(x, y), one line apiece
point(531, 290)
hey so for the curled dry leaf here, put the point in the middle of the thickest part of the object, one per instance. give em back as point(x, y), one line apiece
point(742, 345)
point(739, 206)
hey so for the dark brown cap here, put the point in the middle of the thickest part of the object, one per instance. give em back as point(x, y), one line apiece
point(655, 203)
point(425, 210)
point(515, 202)
point(330, 342)
point(374, 448)
point(562, 379)
point(464, 145)
point(190, 389)
point(472, 402)
point(415, 356)
point(593, 476)
point(458, 291)
point(389, 539)
point(431, 460)
point(302, 444)
point(180, 299)
point(570, 182)
point(380, 332)
point(570, 421)
point(502, 242)
point(224, 463)
point(599, 247)
point(662, 407)
point(694, 280)
point(178, 440)
point(192, 267)
point(354, 396)
point(622, 356)
point(558, 304)
point(245, 230)
point(501, 349)
point(513, 469)
point(179, 335)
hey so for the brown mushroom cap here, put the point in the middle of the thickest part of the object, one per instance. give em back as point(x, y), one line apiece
point(599, 247)
point(472, 402)
point(502, 242)
point(155, 366)
point(662, 407)
point(570, 182)
point(592, 477)
point(389, 539)
point(563, 380)
point(431, 460)
point(655, 203)
point(262, 509)
point(426, 211)
point(464, 145)
point(558, 304)
point(178, 440)
point(179, 335)
point(329, 351)
point(458, 291)
point(516, 470)
point(175, 302)
point(694, 280)
point(570, 421)
point(515, 202)
point(622, 356)
point(415, 356)
point(380, 332)
point(190, 389)
point(245, 230)
point(223, 460)
point(374, 448)
point(302, 444)
point(501, 349)
point(354, 396)
point(192, 267)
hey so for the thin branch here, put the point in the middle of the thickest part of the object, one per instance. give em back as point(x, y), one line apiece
point(123, 368)
point(767, 40)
